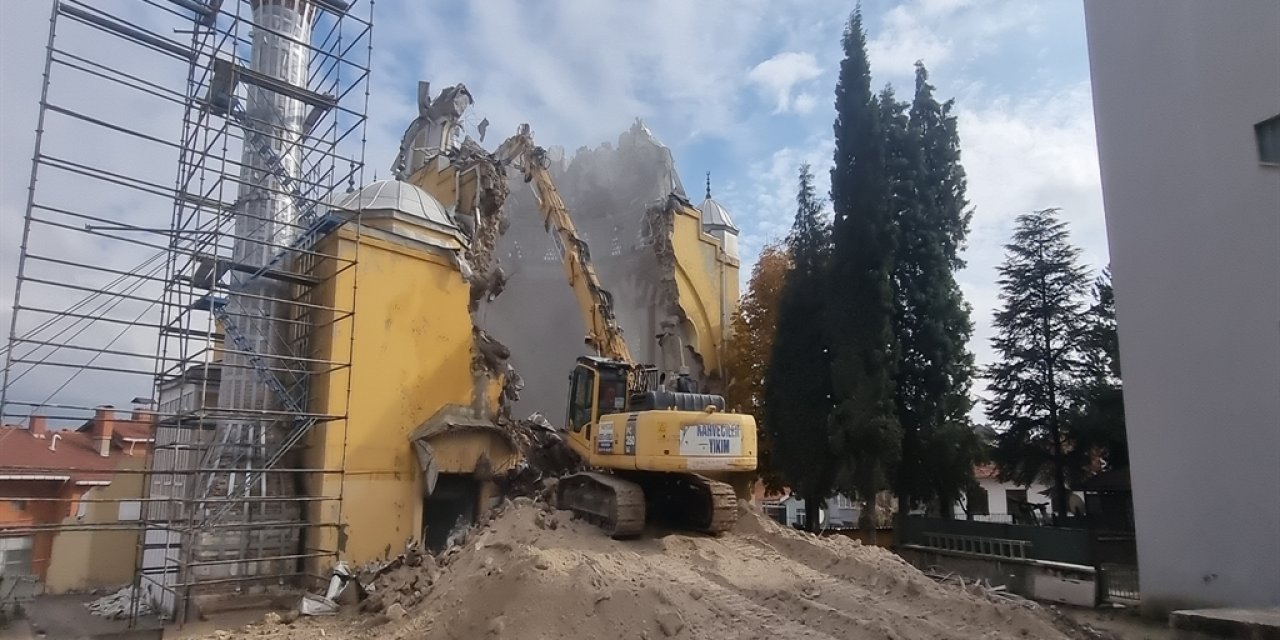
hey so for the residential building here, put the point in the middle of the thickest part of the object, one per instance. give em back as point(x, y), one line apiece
point(995, 500)
point(52, 480)
point(1186, 101)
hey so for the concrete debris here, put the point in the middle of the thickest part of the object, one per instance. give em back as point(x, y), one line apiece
point(491, 355)
point(545, 456)
point(670, 623)
point(121, 605)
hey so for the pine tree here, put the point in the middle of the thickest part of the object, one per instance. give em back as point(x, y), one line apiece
point(1040, 334)
point(797, 393)
point(931, 319)
point(865, 436)
point(749, 349)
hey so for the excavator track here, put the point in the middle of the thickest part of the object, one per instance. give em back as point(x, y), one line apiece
point(615, 504)
point(724, 506)
point(720, 502)
point(691, 502)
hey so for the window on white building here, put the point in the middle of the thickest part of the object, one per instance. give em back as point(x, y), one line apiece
point(977, 502)
point(15, 556)
point(1015, 500)
point(1268, 134)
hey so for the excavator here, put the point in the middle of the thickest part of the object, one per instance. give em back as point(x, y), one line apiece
point(655, 449)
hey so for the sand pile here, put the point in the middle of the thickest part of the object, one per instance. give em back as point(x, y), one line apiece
point(533, 573)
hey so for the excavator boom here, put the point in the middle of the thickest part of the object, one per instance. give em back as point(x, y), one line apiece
point(604, 334)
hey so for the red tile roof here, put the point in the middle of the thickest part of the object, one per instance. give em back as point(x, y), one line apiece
point(74, 455)
point(985, 472)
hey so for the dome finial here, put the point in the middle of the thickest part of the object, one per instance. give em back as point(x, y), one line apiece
point(708, 185)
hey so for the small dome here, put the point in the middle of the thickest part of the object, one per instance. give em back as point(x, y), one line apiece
point(396, 197)
point(716, 217)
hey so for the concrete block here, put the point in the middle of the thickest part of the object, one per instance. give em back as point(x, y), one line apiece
point(1250, 624)
point(1064, 590)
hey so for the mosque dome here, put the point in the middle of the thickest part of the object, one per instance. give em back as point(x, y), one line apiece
point(394, 196)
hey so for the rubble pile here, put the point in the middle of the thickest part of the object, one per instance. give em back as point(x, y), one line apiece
point(544, 456)
point(530, 571)
point(120, 605)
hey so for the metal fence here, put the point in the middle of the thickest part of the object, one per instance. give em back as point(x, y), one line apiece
point(1055, 544)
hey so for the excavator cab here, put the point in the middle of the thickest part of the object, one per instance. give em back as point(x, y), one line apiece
point(597, 386)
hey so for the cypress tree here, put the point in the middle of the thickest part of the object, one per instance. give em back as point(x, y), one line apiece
point(797, 393)
point(865, 436)
point(1040, 333)
point(931, 319)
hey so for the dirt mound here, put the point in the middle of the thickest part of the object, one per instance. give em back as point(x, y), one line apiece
point(533, 573)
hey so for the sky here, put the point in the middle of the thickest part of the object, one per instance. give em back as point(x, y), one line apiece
point(743, 89)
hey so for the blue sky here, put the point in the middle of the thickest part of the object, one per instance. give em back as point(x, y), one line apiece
point(740, 88)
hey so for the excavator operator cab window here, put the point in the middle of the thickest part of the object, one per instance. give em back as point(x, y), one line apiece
point(581, 390)
point(613, 391)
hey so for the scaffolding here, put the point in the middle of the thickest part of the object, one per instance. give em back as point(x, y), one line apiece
point(194, 292)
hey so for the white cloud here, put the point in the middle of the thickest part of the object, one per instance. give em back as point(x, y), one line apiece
point(1020, 154)
point(941, 32)
point(779, 76)
point(804, 103)
point(903, 39)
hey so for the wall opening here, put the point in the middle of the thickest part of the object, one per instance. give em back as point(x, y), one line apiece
point(449, 510)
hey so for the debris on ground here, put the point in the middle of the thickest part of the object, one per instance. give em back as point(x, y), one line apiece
point(120, 605)
point(339, 582)
point(535, 572)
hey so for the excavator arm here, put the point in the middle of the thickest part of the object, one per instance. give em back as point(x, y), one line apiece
point(604, 334)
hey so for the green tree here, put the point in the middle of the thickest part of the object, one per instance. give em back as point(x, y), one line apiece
point(1041, 330)
point(1097, 424)
point(750, 348)
point(931, 319)
point(797, 389)
point(865, 437)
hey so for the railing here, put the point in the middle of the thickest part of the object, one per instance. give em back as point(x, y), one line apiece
point(977, 545)
point(1054, 544)
point(1120, 581)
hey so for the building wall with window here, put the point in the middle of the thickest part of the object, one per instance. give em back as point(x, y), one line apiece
point(1000, 498)
point(1193, 220)
point(48, 480)
point(84, 557)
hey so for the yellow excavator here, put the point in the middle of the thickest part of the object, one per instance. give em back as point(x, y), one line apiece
point(657, 449)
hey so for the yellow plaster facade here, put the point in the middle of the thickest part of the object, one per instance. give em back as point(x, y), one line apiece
point(707, 281)
point(411, 348)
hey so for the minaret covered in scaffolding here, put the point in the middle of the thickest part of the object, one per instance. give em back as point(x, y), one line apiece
point(258, 321)
point(259, 106)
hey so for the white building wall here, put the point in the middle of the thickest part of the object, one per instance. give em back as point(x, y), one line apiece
point(1193, 220)
point(996, 503)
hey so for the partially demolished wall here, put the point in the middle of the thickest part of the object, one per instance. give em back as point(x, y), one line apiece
point(609, 191)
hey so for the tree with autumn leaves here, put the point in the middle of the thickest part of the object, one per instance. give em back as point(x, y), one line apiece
point(749, 348)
